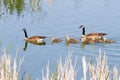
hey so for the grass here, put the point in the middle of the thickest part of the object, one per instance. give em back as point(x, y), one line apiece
point(9, 70)
point(66, 70)
point(97, 70)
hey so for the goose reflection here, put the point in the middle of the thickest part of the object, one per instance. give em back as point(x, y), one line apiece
point(34, 43)
point(83, 45)
point(25, 46)
point(93, 42)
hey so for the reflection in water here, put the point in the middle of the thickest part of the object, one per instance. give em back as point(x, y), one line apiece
point(1, 14)
point(67, 44)
point(12, 5)
point(35, 5)
point(19, 6)
point(25, 47)
point(84, 44)
point(104, 43)
point(38, 43)
point(35, 43)
point(50, 2)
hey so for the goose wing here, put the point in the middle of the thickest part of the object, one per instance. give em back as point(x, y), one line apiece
point(96, 34)
point(37, 37)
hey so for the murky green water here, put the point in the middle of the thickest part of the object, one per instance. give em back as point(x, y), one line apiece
point(58, 18)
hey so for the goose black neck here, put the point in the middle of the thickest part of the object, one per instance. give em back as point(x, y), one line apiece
point(25, 33)
point(83, 32)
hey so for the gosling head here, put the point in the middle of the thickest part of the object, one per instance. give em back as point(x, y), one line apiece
point(67, 38)
point(52, 38)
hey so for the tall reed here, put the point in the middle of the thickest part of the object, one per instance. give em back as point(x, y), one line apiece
point(9, 70)
point(65, 71)
point(97, 70)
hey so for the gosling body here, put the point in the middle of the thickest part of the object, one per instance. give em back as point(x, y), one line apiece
point(55, 40)
point(71, 40)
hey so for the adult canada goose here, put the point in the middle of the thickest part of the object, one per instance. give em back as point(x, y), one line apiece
point(71, 40)
point(33, 39)
point(55, 40)
point(92, 36)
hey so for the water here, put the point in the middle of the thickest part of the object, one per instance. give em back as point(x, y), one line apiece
point(58, 18)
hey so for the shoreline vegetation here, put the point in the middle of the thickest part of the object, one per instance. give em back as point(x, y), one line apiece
point(9, 67)
point(97, 70)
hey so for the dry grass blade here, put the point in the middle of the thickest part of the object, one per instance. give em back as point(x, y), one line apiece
point(8, 70)
point(65, 71)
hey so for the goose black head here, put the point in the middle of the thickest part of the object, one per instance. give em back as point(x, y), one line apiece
point(25, 32)
point(23, 29)
point(82, 26)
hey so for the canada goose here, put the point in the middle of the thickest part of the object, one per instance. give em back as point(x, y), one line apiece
point(33, 39)
point(92, 36)
point(55, 40)
point(71, 40)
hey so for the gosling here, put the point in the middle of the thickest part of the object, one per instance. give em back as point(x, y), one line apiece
point(71, 40)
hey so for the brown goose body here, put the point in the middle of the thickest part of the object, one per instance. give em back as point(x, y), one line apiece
point(96, 34)
point(71, 40)
point(37, 39)
point(55, 40)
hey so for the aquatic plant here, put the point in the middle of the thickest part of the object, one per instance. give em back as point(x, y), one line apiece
point(65, 71)
point(9, 70)
point(97, 70)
